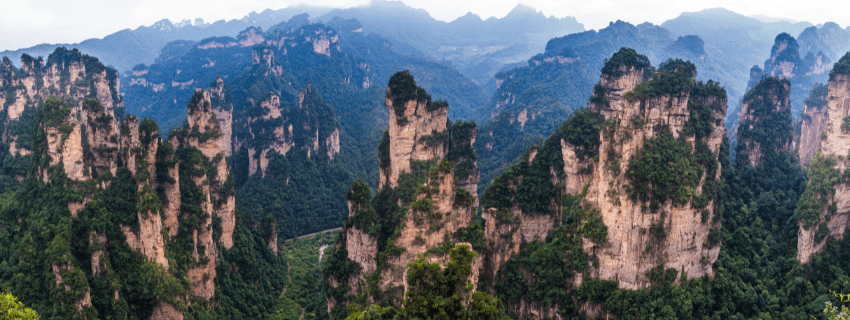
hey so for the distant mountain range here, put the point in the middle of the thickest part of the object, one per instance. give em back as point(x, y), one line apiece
point(126, 48)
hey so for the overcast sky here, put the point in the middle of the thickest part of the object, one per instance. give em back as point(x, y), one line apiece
point(24, 23)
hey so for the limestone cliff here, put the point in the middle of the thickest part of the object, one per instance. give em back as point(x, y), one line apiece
point(638, 123)
point(83, 79)
point(140, 147)
point(813, 124)
point(414, 118)
point(280, 123)
point(603, 184)
point(824, 208)
point(428, 168)
point(206, 171)
point(222, 105)
point(99, 180)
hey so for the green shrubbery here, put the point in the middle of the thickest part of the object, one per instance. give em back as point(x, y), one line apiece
point(840, 67)
point(664, 169)
point(627, 57)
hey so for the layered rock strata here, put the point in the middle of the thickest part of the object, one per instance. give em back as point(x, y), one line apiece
point(422, 146)
point(84, 147)
point(626, 257)
point(636, 112)
point(813, 125)
point(832, 212)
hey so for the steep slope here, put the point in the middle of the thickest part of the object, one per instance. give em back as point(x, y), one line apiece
point(786, 62)
point(427, 166)
point(531, 101)
point(829, 39)
point(120, 223)
point(304, 101)
point(602, 189)
point(822, 211)
point(813, 123)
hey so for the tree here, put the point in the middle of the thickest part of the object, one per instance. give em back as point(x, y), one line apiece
point(11, 309)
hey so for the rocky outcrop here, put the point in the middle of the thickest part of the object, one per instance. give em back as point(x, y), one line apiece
point(434, 217)
point(636, 110)
point(625, 257)
point(832, 213)
point(165, 311)
point(424, 147)
point(276, 126)
point(98, 161)
point(222, 106)
point(413, 122)
point(813, 124)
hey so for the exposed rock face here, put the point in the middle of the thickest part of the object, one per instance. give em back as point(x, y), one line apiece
point(835, 145)
point(100, 240)
point(624, 257)
point(407, 129)
point(165, 311)
point(222, 105)
point(534, 310)
point(202, 119)
point(439, 156)
point(93, 92)
point(79, 138)
point(280, 123)
point(757, 108)
point(67, 150)
point(422, 231)
point(813, 126)
point(631, 120)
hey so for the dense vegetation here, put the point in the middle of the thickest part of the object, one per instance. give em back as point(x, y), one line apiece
point(625, 58)
point(768, 122)
point(440, 292)
point(817, 98)
point(841, 67)
point(665, 169)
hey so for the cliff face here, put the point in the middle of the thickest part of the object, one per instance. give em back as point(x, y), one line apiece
point(411, 122)
point(279, 126)
point(603, 184)
point(222, 105)
point(813, 124)
point(428, 167)
point(94, 161)
point(203, 137)
point(626, 256)
point(824, 209)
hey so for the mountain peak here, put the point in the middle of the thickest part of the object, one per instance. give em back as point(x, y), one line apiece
point(522, 10)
